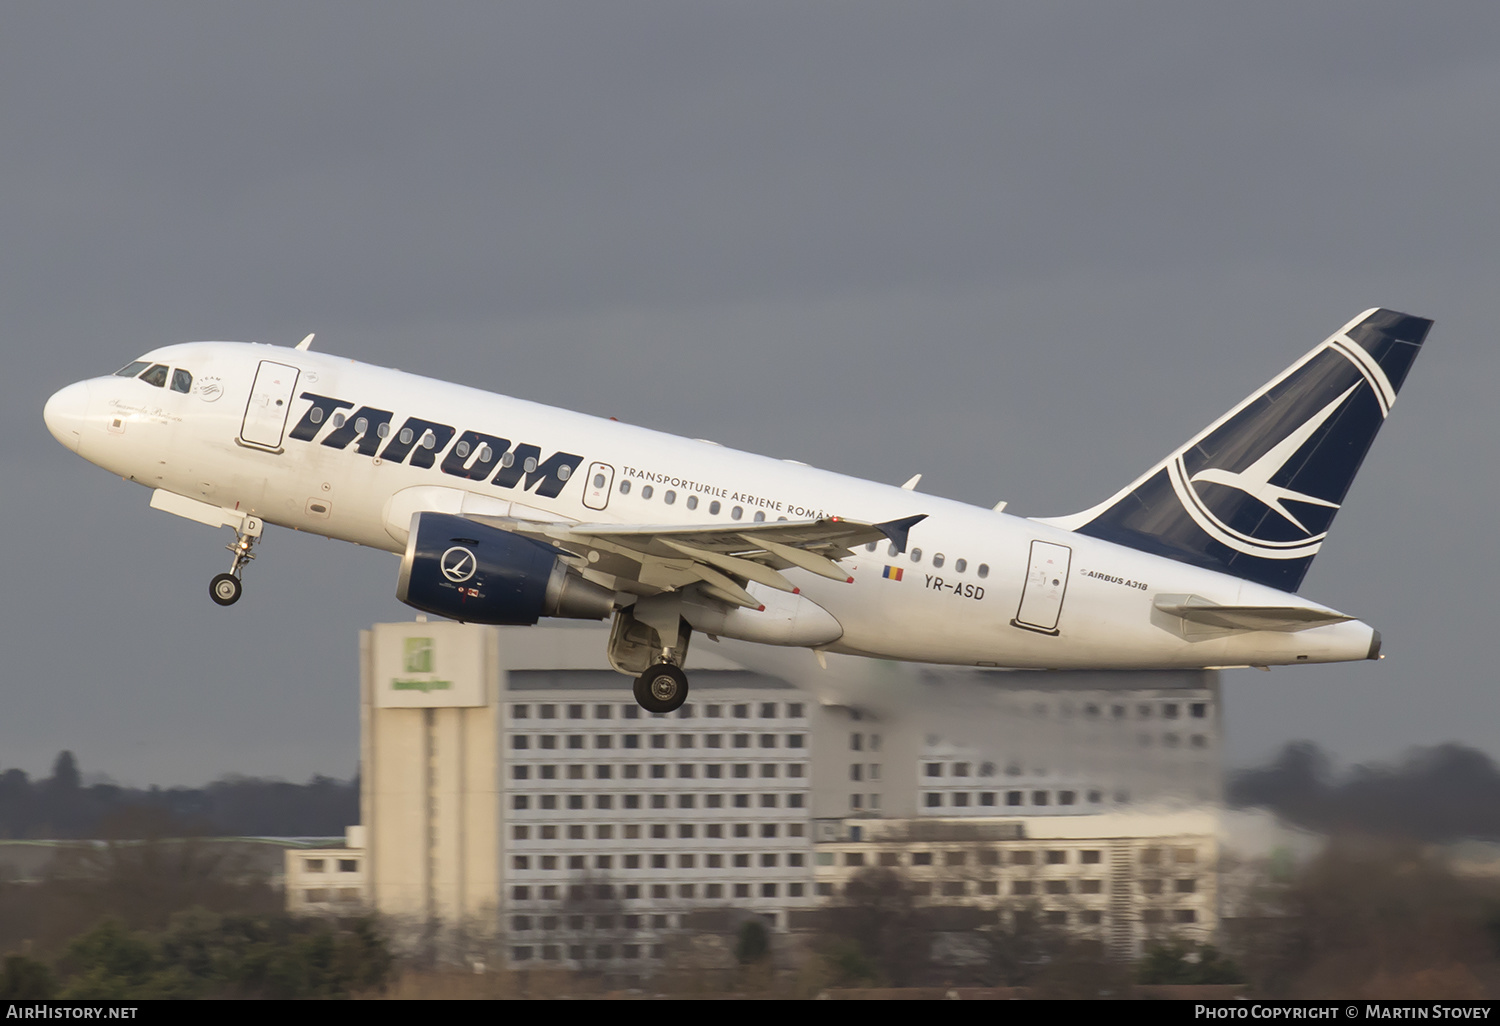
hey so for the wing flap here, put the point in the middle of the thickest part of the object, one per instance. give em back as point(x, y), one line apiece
point(723, 559)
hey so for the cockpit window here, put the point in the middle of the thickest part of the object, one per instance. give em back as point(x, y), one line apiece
point(182, 381)
point(157, 375)
point(131, 370)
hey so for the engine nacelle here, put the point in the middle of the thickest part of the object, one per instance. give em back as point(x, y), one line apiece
point(465, 570)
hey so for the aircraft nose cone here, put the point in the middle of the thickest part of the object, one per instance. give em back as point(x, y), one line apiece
point(65, 413)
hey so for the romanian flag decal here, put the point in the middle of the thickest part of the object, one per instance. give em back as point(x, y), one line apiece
point(892, 573)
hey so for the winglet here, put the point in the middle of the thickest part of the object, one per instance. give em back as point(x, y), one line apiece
point(303, 345)
point(896, 530)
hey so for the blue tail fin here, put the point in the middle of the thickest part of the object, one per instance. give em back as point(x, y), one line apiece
point(1253, 495)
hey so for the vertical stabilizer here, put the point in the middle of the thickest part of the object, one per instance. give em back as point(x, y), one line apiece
point(1255, 492)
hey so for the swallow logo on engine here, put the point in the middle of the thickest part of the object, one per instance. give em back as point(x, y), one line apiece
point(458, 564)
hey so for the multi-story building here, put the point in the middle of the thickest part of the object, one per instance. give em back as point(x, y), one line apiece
point(516, 796)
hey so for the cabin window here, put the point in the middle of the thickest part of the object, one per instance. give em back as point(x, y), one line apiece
point(760, 516)
point(461, 449)
point(713, 508)
point(384, 429)
point(669, 498)
point(647, 491)
point(737, 512)
point(361, 424)
point(984, 569)
point(130, 370)
point(870, 547)
point(315, 415)
point(692, 502)
point(624, 486)
point(892, 551)
point(937, 559)
point(405, 436)
point(338, 422)
point(508, 459)
point(182, 381)
point(564, 472)
point(485, 452)
point(916, 555)
point(529, 465)
point(961, 565)
point(157, 375)
point(598, 480)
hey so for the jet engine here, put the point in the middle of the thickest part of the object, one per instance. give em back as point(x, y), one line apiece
point(468, 571)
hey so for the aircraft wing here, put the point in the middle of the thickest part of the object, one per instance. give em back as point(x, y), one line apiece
point(722, 559)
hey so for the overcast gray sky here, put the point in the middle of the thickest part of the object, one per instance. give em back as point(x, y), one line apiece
point(1024, 249)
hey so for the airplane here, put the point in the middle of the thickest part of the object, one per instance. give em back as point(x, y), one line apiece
point(505, 511)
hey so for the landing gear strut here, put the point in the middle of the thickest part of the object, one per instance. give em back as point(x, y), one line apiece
point(225, 589)
point(661, 689)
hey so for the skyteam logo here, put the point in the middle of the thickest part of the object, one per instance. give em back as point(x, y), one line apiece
point(1268, 478)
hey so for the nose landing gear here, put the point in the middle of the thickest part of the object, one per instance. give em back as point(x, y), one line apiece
point(225, 589)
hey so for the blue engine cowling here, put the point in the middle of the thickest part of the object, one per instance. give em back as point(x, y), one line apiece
point(467, 571)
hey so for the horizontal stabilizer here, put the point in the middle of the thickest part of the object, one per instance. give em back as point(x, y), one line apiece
point(1247, 618)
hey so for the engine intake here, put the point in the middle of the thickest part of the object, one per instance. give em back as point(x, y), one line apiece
point(468, 571)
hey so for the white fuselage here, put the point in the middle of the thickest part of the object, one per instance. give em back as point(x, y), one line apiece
point(1092, 607)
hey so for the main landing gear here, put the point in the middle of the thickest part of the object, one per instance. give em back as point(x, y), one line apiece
point(661, 689)
point(225, 589)
point(650, 638)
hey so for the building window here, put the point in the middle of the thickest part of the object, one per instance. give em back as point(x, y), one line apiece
point(1057, 887)
point(520, 893)
point(768, 740)
point(1057, 858)
point(794, 740)
point(933, 799)
point(659, 831)
point(520, 801)
point(1089, 858)
point(1013, 797)
point(953, 888)
point(1020, 858)
point(1185, 915)
point(575, 712)
point(742, 740)
point(713, 740)
point(1020, 887)
point(921, 858)
point(1186, 886)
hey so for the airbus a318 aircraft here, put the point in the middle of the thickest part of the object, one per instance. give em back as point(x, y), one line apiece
point(505, 511)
